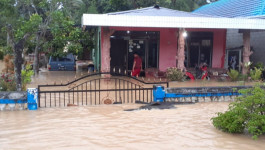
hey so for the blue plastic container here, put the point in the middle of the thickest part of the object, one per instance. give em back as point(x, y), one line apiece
point(32, 96)
point(159, 93)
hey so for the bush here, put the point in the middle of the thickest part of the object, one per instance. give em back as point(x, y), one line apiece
point(9, 65)
point(174, 74)
point(255, 74)
point(26, 76)
point(7, 82)
point(233, 74)
point(243, 77)
point(230, 121)
point(259, 65)
point(246, 113)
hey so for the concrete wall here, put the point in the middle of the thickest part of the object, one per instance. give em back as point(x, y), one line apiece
point(257, 40)
point(13, 95)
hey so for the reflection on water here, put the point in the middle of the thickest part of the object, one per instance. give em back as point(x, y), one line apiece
point(109, 127)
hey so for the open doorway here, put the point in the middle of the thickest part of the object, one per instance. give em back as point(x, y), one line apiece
point(118, 55)
point(199, 48)
point(234, 59)
point(136, 46)
point(125, 43)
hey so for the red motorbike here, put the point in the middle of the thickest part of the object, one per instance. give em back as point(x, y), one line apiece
point(201, 73)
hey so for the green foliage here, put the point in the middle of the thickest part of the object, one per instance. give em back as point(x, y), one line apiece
point(29, 26)
point(233, 74)
point(243, 77)
point(6, 50)
point(26, 75)
point(66, 37)
point(255, 74)
point(259, 65)
point(174, 74)
point(1, 53)
point(246, 113)
point(7, 82)
point(232, 121)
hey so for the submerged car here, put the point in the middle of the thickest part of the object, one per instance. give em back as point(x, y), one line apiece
point(66, 63)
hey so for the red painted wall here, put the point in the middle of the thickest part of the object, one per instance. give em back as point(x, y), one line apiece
point(169, 42)
point(168, 48)
point(219, 45)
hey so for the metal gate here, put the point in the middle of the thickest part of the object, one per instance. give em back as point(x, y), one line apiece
point(99, 88)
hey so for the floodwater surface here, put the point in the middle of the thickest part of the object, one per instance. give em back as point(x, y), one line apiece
point(58, 77)
point(110, 127)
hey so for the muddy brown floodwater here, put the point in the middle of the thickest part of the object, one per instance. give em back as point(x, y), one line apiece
point(58, 77)
point(110, 127)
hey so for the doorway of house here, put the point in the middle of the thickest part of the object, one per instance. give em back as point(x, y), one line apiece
point(125, 43)
point(234, 59)
point(139, 47)
point(199, 48)
point(118, 55)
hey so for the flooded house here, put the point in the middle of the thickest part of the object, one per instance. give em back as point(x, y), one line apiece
point(253, 9)
point(166, 38)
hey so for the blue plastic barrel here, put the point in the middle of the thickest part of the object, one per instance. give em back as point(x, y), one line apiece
point(159, 93)
point(32, 97)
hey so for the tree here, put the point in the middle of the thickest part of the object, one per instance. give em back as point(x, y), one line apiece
point(59, 26)
point(17, 40)
point(29, 23)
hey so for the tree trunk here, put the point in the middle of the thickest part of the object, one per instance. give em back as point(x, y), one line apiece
point(181, 47)
point(18, 61)
point(36, 55)
point(135, 4)
point(8, 40)
point(39, 35)
point(17, 49)
point(173, 2)
point(246, 51)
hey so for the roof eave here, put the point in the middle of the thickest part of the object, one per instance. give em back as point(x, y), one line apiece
point(171, 22)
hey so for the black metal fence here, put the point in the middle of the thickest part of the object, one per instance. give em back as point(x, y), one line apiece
point(98, 88)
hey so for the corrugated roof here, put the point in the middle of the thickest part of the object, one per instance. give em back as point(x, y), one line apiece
point(257, 17)
point(233, 8)
point(151, 11)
